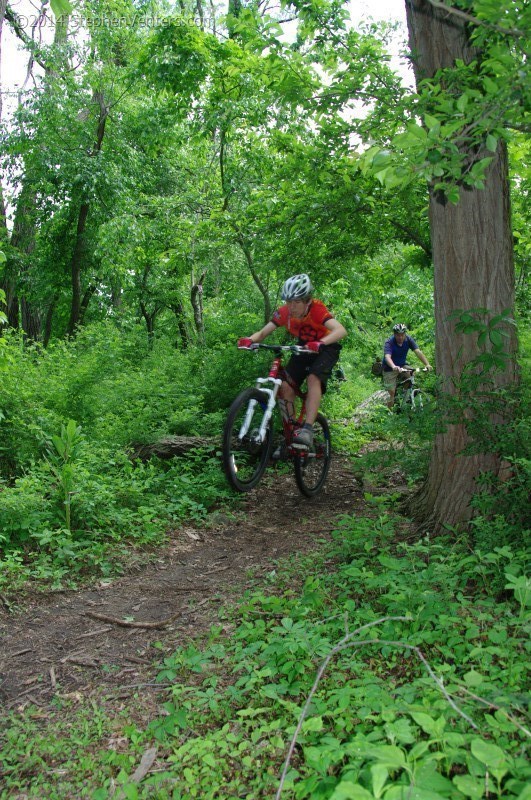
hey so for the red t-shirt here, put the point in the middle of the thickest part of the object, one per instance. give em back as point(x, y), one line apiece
point(310, 328)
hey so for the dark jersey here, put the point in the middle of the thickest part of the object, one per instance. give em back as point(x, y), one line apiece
point(398, 352)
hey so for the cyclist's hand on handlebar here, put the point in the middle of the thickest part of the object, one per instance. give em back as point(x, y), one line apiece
point(313, 346)
point(245, 342)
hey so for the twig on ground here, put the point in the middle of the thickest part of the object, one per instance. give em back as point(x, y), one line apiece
point(124, 623)
point(94, 633)
point(489, 704)
point(146, 762)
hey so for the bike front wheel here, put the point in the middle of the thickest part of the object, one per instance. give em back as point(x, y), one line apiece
point(418, 401)
point(245, 455)
point(311, 467)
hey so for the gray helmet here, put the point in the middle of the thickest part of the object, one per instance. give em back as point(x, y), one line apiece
point(400, 328)
point(298, 287)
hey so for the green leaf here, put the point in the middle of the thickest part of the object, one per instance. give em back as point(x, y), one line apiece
point(492, 756)
point(427, 723)
point(379, 776)
point(469, 786)
point(389, 755)
point(473, 678)
point(346, 790)
point(490, 85)
point(462, 102)
point(431, 122)
point(492, 143)
point(313, 724)
point(496, 338)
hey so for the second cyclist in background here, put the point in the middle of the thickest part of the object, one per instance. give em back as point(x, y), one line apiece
point(396, 349)
point(315, 328)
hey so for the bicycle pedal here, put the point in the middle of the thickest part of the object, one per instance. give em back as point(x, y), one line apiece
point(280, 454)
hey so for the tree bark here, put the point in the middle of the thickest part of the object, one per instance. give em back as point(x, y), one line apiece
point(20, 273)
point(76, 263)
point(149, 318)
point(178, 310)
point(196, 298)
point(171, 446)
point(473, 268)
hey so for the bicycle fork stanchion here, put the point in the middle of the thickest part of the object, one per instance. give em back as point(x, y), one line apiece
point(271, 402)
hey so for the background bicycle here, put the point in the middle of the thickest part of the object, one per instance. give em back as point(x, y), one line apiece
point(248, 434)
point(410, 397)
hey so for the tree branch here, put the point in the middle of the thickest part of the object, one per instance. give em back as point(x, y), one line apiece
point(27, 41)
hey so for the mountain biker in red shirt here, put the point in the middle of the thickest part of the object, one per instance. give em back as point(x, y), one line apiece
point(316, 329)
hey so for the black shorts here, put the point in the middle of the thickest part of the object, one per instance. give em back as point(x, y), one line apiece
point(321, 364)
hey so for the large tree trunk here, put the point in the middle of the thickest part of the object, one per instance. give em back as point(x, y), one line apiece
point(473, 268)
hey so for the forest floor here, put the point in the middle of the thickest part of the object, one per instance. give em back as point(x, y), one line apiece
point(70, 644)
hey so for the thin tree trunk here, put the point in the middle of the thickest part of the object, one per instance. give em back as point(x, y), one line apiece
point(23, 240)
point(90, 291)
point(473, 268)
point(178, 310)
point(5, 283)
point(75, 268)
point(196, 297)
point(256, 277)
point(47, 330)
point(22, 308)
point(77, 260)
point(149, 318)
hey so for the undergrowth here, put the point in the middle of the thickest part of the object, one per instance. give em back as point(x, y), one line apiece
point(426, 650)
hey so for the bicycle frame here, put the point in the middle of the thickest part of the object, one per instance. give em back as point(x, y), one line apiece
point(410, 394)
point(271, 386)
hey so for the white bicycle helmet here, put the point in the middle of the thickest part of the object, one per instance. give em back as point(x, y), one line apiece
point(400, 328)
point(298, 287)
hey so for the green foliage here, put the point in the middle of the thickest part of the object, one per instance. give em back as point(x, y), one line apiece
point(69, 488)
point(379, 722)
point(453, 125)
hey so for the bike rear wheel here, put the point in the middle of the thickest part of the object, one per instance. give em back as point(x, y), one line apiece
point(245, 457)
point(311, 467)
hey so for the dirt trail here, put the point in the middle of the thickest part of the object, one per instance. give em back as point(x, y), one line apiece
point(53, 646)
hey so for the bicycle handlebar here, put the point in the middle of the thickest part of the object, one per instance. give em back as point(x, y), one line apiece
point(278, 348)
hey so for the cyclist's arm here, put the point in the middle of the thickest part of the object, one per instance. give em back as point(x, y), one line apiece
point(337, 332)
point(389, 359)
point(420, 355)
point(260, 335)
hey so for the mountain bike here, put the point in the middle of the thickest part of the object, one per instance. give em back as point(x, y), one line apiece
point(410, 397)
point(248, 434)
